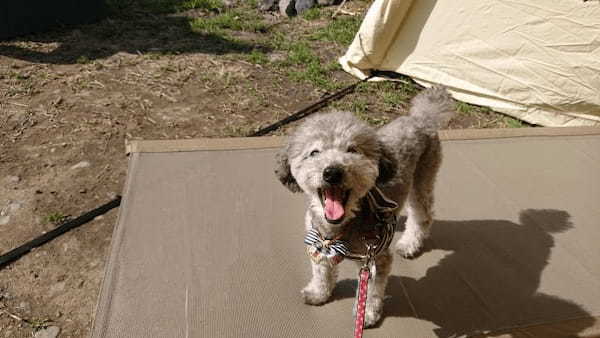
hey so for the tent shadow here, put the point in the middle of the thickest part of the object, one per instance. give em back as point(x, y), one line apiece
point(501, 263)
point(132, 31)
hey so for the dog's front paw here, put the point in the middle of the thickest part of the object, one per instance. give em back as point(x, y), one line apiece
point(409, 245)
point(372, 317)
point(314, 295)
point(373, 312)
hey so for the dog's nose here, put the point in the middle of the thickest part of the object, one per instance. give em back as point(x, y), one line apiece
point(333, 175)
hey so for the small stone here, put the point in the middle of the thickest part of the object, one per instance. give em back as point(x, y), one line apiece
point(13, 179)
point(286, 7)
point(49, 332)
point(57, 101)
point(24, 306)
point(14, 206)
point(302, 5)
point(83, 191)
point(276, 57)
point(38, 191)
point(82, 164)
point(4, 219)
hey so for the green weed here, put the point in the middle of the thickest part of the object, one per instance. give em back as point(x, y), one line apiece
point(257, 57)
point(55, 217)
point(312, 14)
point(341, 30)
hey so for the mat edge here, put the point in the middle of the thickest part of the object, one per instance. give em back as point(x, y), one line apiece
point(104, 300)
point(246, 143)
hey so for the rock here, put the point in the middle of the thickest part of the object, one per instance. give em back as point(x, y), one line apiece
point(14, 206)
point(49, 332)
point(325, 2)
point(287, 8)
point(302, 5)
point(267, 5)
point(24, 306)
point(276, 57)
point(4, 219)
point(13, 179)
point(82, 164)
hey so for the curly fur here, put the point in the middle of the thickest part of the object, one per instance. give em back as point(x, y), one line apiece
point(402, 159)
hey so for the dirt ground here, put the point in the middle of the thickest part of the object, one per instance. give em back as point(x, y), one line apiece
point(70, 98)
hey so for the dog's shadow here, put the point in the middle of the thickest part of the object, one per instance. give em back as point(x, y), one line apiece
point(487, 278)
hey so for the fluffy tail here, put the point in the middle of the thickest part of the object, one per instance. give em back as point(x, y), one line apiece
point(432, 109)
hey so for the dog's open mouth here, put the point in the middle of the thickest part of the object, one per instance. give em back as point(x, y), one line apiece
point(334, 203)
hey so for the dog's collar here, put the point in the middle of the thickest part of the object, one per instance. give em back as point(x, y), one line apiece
point(334, 250)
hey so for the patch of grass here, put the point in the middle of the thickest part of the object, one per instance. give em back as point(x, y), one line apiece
point(503, 121)
point(301, 53)
point(238, 131)
point(230, 20)
point(396, 94)
point(360, 108)
point(312, 14)
point(257, 57)
point(514, 123)
point(211, 5)
point(55, 217)
point(471, 109)
point(341, 30)
point(39, 323)
point(309, 66)
point(127, 7)
point(83, 60)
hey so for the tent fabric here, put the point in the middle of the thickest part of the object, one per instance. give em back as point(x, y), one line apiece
point(537, 61)
point(209, 244)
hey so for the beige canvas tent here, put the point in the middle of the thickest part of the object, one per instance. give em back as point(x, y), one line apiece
point(536, 60)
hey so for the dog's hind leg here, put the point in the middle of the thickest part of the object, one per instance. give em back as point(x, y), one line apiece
point(321, 285)
point(419, 206)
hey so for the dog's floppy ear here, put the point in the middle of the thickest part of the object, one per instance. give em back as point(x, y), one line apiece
point(387, 165)
point(284, 172)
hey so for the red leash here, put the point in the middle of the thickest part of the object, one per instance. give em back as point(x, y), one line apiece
point(361, 303)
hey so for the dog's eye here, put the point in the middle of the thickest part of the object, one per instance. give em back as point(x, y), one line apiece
point(314, 152)
point(352, 149)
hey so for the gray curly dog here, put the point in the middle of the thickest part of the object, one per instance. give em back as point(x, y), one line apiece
point(336, 159)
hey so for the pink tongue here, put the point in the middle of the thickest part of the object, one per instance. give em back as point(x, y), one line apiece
point(334, 207)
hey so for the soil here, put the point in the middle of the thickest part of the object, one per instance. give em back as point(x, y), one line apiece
point(68, 101)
